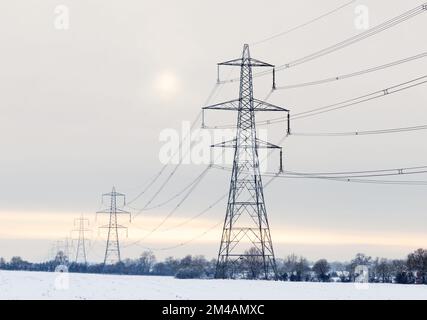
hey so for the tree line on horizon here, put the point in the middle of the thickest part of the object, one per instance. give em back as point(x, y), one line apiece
point(412, 270)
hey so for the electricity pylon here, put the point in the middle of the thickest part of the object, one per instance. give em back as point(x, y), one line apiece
point(62, 251)
point(246, 232)
point(81, 240)
point(112, 250)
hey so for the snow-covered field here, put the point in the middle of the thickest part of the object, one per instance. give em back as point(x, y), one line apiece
point(40, 285)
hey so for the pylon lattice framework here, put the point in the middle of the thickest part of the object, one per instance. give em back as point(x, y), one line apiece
point(81, 240)
point(112, 250)
point(246, 231)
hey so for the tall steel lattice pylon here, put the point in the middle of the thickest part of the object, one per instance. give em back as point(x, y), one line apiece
point(112, 250)
point(246, 231)
point(81, 224)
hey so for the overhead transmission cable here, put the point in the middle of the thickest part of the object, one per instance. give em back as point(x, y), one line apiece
point(302, 25)
point(161, 204)
point(201, 212)
point(343, 44)
point(187, 136)
point(196, 237)
point(207, 209)
point(353, 74)
point(171, 212)
point(364, 98)
point(194, 184)
point(191, 187)
point(360, 133)
point(198, 215)
point(383, 182)
point(346, 174)
point(340, 105)
point(351, 176)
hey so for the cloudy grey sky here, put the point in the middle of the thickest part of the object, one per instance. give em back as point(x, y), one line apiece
point(82, 110)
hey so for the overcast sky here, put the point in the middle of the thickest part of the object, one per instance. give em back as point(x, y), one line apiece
point(83, 109)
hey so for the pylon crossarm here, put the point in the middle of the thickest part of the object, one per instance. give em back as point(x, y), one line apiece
point(225, 144)
point(232, 105)
point(120, 211)
point(113, 194)
point(117, 210)
point(104, 227)
point(250, 62)
point(114, 226)
point(259, 63)
point(265, 106)
point(266, 145)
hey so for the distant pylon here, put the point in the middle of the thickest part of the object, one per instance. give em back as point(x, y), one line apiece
point(112, 250)
point(81, 240)
point(62, 250)
point(246, 231)
point(67, 247)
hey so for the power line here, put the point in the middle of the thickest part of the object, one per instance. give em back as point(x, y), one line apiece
point(373, 175)
point(364, 98)
point(171, 212)
point(353, 74)
point(203, 233)
point(381, 182)
point(198, 215)
point(207, 209)
point(386, 91)
point(157, 176)
point(182, 243)
point(195, 181)
point(179, 149)
point(342, 175)
point(347, 173)
point(357, 38)
point(152, 181)
point(340, 105)
point(191, 186)
point(364, 35)
point(300, 26)
point(359, 133)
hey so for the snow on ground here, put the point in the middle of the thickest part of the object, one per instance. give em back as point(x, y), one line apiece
point(42, 285)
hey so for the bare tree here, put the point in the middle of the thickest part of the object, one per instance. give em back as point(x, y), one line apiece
point(253, 263)
point(383, 270)
point(147, 261)
point(399, 270)
point(321, 268)
point(289, 266)
point(302, 268)
point(417, 262)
